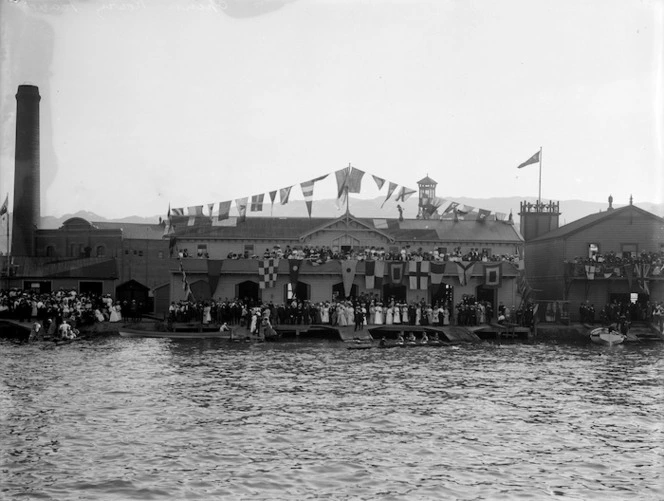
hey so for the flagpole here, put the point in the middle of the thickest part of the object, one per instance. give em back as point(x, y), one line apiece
point(539, 195)
point(346, 188)
point(8, 251)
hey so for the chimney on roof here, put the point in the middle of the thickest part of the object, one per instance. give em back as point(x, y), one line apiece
point(26, 171)
point(610, 203)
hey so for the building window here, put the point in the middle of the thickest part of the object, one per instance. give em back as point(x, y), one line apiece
point(50, 251)
point(593, 250)
point(629, 250)
point(140, 253)
point(201, 251)
point(248, 250)
point(101, 251)
point(486, 251)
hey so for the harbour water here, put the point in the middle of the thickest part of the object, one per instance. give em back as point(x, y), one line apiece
point(115, 418)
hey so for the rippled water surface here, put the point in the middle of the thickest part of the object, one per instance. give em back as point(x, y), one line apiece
point(115, 418)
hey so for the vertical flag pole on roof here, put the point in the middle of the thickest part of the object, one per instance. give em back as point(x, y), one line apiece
point(347, 189)
point(539, 194)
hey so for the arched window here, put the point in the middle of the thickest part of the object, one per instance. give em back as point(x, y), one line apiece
point(50, 251)
point(100, 251)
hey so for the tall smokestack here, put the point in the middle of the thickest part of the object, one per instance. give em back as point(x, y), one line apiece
point(26, 176)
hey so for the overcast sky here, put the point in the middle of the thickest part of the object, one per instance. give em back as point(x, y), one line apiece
point(188, 102)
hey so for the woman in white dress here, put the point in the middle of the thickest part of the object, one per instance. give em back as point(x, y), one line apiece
point(418, 316)
point(397, 314)
point(378, 319)
point(389, 316)
point(115, 313)
point(446, 315)
point(341, 315)
point(324, 314)
point(207, 317)
point(372, 314)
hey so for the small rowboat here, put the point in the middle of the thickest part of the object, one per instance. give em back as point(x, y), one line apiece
point(607, 336)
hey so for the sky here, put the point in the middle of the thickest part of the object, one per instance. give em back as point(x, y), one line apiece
point(151, 103)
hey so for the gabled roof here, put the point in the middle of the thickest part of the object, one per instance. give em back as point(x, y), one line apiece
point(369, 226)
point(593, 219)
point(292, 229)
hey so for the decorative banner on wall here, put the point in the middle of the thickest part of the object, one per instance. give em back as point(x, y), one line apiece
point(373, 274)
point(437, 271)
point(464, 270)
point(267, 272)
point(294, 271)
point(493, 275)
point(418, 275)
point(348, 268)
point(396, 271)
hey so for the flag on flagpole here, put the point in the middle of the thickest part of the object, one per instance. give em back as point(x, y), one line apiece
point(532, 160)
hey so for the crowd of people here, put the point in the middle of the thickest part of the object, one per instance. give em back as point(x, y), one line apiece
point(365, 310)
point(615, 265)
point(65, 307)
point(324, 254)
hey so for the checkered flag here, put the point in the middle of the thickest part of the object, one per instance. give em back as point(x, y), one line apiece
point(267, 270)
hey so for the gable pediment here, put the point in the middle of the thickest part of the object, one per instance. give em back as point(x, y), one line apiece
point(346, 225)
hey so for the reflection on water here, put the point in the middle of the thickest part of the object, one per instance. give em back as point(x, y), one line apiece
point(116, 418)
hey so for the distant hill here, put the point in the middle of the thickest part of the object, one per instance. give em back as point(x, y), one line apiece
point(571, 210)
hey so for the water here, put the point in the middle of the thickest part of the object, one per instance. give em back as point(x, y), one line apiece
point(116, 418)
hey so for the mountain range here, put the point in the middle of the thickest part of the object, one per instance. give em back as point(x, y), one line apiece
point(570, 210)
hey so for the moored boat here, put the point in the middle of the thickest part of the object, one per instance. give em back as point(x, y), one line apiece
point(607, 336)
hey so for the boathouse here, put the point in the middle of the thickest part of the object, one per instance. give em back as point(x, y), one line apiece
point(613, 255)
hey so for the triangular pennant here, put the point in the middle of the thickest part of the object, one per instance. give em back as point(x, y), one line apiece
point(379, 181)
point(241, 204)
point(284, 194)
point(348, 268)
point(464, 270)
point(390, 189)
point(404, 194)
